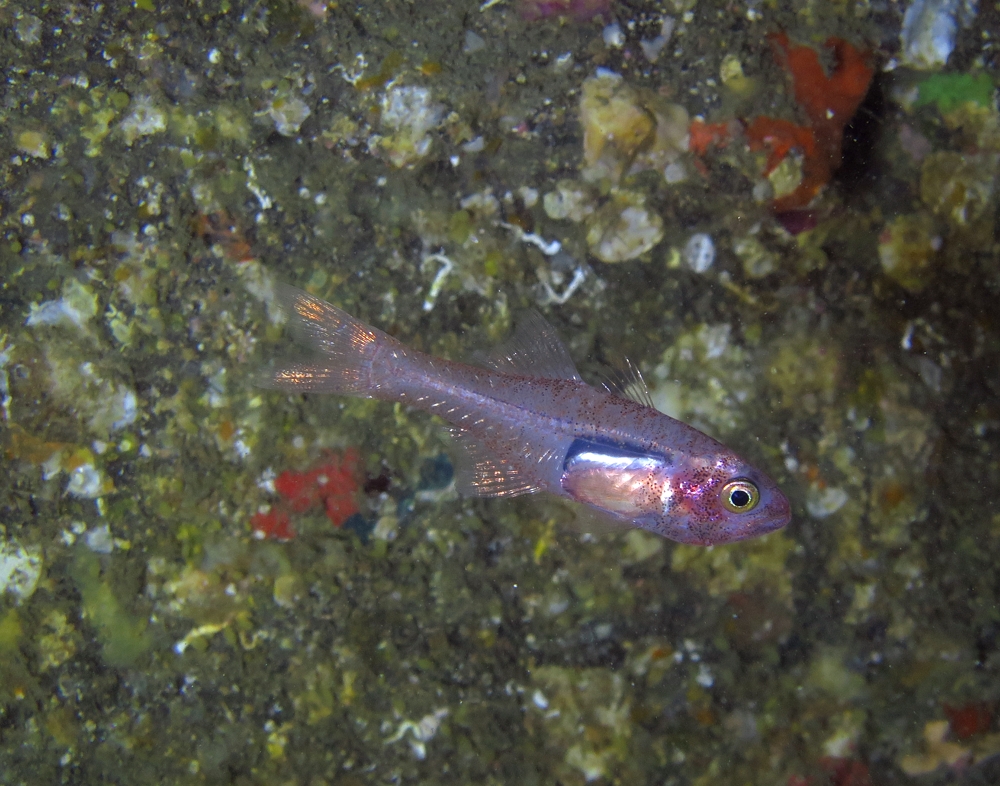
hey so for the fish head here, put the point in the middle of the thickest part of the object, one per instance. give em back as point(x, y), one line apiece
point(720, 499)
point(706, 497)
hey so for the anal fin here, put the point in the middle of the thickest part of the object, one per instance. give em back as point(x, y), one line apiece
point(481, 473)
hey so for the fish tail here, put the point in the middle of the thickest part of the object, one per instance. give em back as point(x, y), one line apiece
point(346, 349)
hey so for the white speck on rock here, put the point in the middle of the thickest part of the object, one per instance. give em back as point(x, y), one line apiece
point(75, 308)
point(145, 119)
point(99, 540)
point(410, 114)
point(567, 202)
point(675, 173)
point(613, 36)
point(699, 252)
point(929, 29)
point(288, 114)
point(422, 731)
point(20, 568)
point(473, 42)
point(85, 482)
point(705, 678)
point(825, 502)
point(623, 229)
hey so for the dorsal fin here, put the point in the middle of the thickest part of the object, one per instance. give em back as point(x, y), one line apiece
point(626, 380)
point(534, 349)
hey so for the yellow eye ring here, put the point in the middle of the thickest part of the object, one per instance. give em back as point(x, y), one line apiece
point(739, 496)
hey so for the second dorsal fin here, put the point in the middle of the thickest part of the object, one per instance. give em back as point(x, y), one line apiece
point(534, 349)
point(626, 380)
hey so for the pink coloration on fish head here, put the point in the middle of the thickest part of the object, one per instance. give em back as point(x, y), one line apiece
point(721, 500)
point(705, 497)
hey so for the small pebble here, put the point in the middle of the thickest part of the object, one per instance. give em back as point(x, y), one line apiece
point(613, 36)
point(473, 42)
point(99, 540)
point(699, 252)
point(675, 172)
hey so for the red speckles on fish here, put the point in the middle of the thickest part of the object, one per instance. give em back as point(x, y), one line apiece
point(527, 422)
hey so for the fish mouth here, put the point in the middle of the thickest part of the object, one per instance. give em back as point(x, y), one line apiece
point(786, 508)
point(779, 514)
point(776, 515)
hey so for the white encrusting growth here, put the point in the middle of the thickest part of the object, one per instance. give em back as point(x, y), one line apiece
point(548, 247)
point(549, 295)
point(436, 285)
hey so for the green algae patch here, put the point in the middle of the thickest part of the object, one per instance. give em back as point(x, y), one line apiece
point(828, 674)
point(58, 641)
point(122, 635)
point(10, 631)
point(319, 697)
point(568, 700)
point(391, 63)
point(760, 562)
point(34, 144)
point(949, 91)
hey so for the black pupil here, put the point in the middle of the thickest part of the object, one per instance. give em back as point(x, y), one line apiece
point(739, 498)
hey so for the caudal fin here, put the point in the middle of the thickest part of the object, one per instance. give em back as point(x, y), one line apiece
point(344, 348)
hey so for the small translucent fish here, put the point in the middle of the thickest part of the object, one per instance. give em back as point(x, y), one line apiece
point(527, 422)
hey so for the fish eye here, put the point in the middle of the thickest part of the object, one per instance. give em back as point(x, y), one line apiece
point(739, 496)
